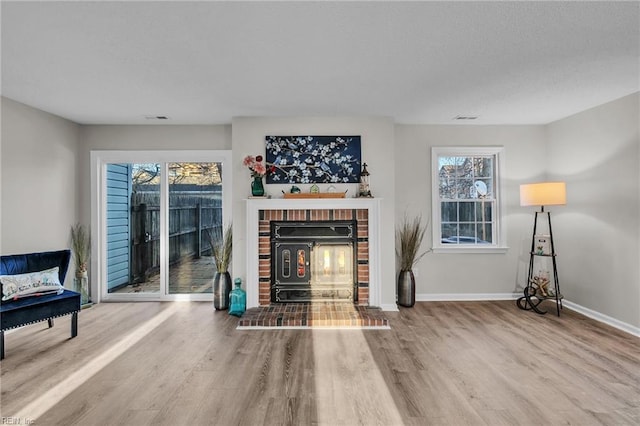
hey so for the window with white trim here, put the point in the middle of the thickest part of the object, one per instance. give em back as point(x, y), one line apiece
point(466, 198)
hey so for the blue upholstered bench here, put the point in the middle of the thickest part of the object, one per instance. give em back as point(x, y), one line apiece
point(32, 309)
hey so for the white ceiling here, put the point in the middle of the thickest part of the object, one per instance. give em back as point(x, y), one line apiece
point(418, 62)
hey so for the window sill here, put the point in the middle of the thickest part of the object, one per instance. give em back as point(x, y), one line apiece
point(466, 249)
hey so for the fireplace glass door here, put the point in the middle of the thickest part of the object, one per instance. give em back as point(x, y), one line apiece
point(308, 272)
point(294, 265)
point(332, 265)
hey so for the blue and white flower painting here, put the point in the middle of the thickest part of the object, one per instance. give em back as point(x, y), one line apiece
point(313, 159)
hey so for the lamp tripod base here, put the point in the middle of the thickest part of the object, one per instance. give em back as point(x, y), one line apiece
point(530, 302)
point(534, 293)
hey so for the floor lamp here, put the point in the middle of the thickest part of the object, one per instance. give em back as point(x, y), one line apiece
point(541, 194)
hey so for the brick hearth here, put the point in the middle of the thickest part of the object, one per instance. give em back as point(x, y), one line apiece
point(303, 315)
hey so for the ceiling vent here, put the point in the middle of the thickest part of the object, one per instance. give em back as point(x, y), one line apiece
point(465, 117)
point(156, 117)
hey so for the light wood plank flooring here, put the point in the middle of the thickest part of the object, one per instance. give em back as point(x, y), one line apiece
point(444, 363)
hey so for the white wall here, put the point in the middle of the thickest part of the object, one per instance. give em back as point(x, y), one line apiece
point(39, 179)
point(377, 151)
point(457, 273)
point(144, 137)
point(598, 232)
point(1, 104)
point(44, 167)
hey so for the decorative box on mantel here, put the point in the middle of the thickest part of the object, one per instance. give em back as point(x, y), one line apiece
point(364, 211)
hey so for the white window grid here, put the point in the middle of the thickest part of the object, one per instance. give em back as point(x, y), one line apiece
point(493, 199)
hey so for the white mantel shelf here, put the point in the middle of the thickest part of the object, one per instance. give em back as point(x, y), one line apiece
point(254, 205)
point(312, 203)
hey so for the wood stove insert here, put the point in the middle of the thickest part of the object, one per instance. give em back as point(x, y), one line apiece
point(314, 261)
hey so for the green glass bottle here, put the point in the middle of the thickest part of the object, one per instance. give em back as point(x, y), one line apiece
point(237, 299)
point(257, 189)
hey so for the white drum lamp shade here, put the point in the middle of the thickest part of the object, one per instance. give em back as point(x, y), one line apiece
point(543, 194)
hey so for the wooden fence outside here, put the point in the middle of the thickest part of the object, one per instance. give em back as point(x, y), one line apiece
point(190, 218)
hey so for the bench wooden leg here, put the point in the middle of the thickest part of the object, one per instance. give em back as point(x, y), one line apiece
point(2, 344)
point(50, 321)
point(74, 324)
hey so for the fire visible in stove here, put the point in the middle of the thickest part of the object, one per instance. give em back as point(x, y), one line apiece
point(329, 265)
point(313, 261)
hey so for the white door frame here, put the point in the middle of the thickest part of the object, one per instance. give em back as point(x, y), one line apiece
point(99, 161)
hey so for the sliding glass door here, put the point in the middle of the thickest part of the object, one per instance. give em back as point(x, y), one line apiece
point(195, 210)
point(156, 217)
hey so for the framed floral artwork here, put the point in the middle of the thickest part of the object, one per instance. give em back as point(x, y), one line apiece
point(313, 159)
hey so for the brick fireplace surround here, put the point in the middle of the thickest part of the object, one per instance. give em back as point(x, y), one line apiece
point(264, 245)
point(260, 212)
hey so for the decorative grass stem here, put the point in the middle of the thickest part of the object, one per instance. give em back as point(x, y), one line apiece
point(410, 234)
point(222, 247)
point(81, 247)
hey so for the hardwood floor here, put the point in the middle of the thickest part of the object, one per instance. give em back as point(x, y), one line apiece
point(446, 363)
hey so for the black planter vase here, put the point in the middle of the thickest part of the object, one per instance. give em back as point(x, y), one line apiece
point(221, 290)
point(406, 289)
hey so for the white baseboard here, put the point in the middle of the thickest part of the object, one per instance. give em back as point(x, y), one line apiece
point(389, 307)
point(444, 297)
point(628, 328)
